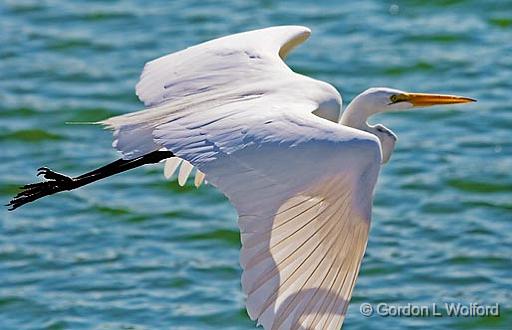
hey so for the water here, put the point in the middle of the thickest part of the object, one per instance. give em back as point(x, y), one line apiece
point(139, 252)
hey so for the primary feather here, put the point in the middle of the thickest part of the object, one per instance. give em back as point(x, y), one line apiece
point(268, 139)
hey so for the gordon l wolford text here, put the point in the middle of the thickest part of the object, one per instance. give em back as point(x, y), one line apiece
point(447, 309)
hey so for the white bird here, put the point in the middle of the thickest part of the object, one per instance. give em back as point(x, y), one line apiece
point(300, 173)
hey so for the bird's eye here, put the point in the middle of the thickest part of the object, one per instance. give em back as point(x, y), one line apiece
point(397, 98)
point(380, 129)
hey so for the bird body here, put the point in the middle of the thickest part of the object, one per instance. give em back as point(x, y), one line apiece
point(300, 175)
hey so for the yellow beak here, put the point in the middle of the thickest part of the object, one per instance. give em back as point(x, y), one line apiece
point(425, 100)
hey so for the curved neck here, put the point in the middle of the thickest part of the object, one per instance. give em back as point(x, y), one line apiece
point(356, 114)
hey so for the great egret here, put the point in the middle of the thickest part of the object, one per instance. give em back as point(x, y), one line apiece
point(300, 174)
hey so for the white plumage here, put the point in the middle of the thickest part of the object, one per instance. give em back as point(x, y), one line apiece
point(269, 139)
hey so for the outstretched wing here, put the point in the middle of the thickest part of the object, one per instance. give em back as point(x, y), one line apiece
point(227, 69)
point(218, 64)
point(302, 185)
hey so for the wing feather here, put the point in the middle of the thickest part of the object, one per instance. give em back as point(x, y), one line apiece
point(199, 178)
point(185, 170)
point(170, 166)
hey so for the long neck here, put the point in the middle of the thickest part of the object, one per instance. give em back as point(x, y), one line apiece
point(356, 114)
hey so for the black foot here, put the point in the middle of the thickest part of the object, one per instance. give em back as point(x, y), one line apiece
point(56, 182)
point(52, 175)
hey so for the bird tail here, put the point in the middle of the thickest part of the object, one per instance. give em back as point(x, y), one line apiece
point(133, 133)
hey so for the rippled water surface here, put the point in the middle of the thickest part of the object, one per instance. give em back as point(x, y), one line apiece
point(139, 252)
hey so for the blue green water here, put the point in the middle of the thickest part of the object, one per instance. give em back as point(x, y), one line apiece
point(138, 252)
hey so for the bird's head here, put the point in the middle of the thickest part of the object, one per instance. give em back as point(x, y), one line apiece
point(382, 99)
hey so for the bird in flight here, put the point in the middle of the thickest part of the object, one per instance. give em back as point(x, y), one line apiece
point(298, 170)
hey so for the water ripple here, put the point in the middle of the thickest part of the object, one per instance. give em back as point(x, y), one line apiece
point(140, 252)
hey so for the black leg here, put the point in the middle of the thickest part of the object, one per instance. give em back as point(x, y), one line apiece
point(57, 182)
